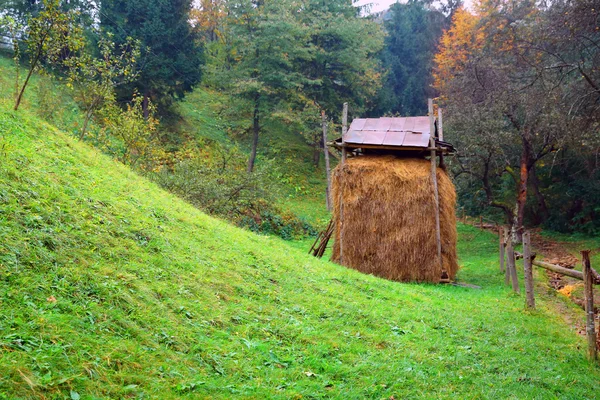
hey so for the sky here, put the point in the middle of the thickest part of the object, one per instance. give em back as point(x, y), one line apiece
point(380, 5)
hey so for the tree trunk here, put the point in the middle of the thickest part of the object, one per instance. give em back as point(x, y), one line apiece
point(542, 207)
point(317, 153)
point(20, 96)
point(145, 104)
point(255, 132)
point(521, 192)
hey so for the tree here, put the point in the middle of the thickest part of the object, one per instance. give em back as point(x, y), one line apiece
point(344, 67)
point(208, 18)
point(95, 78)
point(414, 30)
point(265, 45)
point(509, 101)
point(171, 64)
point(51, 37)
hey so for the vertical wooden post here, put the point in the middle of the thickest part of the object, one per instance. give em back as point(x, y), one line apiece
point(441, 137)
point(590, 328)
point(481, 222)
point(513, 267)
point(509, 251)
point(440, 126)
point(502, 249)
point(528, 270)
point(327, 166)
point(341, 181)
point(344, 130)
point(436, 194)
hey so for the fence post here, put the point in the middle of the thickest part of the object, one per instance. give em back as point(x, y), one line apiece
point(509, 251)
point(501, 236)
point(588, 279)
point(528, 270)
point(512, 266)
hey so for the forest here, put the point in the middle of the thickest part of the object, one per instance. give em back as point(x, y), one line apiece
point(518, 81)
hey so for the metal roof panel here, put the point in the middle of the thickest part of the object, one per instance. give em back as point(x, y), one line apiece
point(401, 132)
point(374, 137)
point(416, 139)
point(394, 138)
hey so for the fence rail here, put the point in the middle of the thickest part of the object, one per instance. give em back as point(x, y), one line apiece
point(589, 276)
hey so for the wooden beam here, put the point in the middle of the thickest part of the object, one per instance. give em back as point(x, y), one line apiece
point(436, 195)
point(561, 270)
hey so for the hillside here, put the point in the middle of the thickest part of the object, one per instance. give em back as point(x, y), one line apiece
point(112, 288)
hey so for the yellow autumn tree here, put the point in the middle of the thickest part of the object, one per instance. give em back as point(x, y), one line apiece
point(456, 45)
point(208, 16)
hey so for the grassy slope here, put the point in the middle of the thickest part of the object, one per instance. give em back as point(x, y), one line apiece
point(110, 287)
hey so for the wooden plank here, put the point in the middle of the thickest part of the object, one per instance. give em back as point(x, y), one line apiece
point(590, 328)
point(436, 194)
point(397, 148)
point(528, 270)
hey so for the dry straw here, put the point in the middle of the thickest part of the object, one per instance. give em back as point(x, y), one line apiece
point(389, 220)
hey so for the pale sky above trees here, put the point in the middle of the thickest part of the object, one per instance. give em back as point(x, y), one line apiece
point(380, 5)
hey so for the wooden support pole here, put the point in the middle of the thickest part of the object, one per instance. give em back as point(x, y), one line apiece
point(344, 130)
point(341, 181)
point(440, 125)
point(509, 249)
point(441, 137)
point(502, 248)
point(436, 195)
point(528, 270)
point(327, 165)
point(590, 329)
point(512, 267)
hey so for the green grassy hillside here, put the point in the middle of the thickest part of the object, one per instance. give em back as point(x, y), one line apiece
point(113, 288)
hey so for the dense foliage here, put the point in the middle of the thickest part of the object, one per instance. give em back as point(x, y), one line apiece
point(520, 82)
point(171, 62)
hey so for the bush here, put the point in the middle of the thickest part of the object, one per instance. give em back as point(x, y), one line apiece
point(216, 181)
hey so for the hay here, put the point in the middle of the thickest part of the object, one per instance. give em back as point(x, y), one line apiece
point(389, 222)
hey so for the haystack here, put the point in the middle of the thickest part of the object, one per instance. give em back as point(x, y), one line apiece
point(389, 225)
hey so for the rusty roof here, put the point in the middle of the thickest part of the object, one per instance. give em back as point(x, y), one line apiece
point(399, 132)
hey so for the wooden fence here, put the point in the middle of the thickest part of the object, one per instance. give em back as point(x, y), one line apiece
point(589, 276)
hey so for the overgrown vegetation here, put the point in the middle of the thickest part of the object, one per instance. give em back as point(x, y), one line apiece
point(520, 81)
point(113, 288)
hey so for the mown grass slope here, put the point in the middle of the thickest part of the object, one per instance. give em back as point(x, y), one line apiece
point(113, 288)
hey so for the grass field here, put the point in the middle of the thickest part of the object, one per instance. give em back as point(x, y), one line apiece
point(113, 288)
